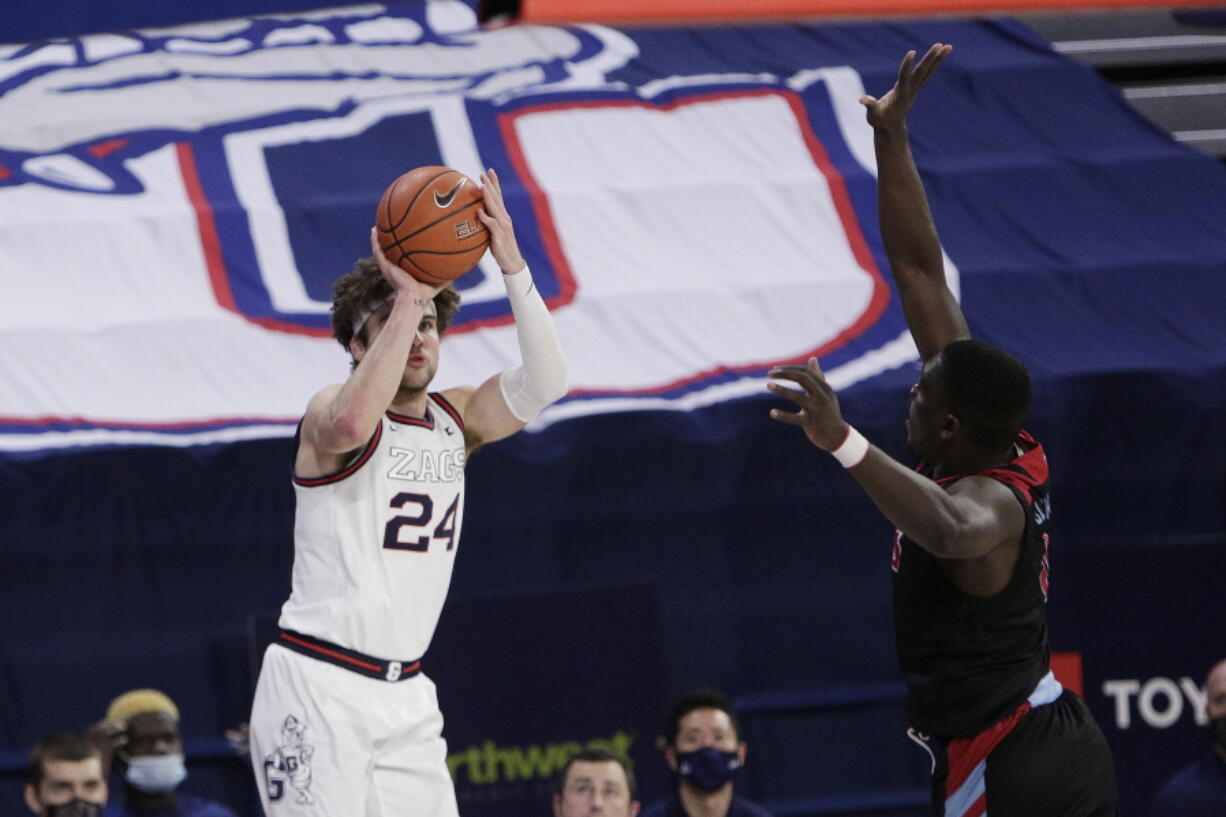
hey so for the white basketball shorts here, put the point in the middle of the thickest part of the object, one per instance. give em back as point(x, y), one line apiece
point(328, 742)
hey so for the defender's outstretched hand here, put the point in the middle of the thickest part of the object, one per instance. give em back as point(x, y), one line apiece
point(891, 110)
point(498, 221)
point(819, 413)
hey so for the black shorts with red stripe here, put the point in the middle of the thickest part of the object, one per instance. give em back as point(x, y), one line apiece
point(1044, 761)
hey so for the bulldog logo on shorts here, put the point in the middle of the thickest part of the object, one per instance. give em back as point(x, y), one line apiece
point(290, 764)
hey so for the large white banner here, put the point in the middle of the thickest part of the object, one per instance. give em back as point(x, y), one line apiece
point(174, 205)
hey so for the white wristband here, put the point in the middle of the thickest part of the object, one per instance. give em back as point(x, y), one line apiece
point(853, 450)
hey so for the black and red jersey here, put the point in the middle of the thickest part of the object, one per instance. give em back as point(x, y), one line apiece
point(969, 660)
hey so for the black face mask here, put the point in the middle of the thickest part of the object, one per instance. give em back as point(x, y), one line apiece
point(1217, 730)
point(75, 808)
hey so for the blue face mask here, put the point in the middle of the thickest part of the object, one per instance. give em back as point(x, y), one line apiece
point(707, 768)
point(156, 774)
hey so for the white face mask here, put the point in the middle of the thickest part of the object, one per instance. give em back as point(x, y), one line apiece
point(156, 774)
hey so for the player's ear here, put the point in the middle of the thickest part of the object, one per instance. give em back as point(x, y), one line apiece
point(557, 805)
point(32, 799)
point(670, 756)
point(951, 425)
point(357, 348)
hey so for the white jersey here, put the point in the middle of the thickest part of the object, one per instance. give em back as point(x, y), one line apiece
point(374, 543)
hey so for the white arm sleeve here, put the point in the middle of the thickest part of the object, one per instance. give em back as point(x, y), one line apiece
point(542, 378)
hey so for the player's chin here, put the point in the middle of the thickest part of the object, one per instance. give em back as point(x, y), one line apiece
point(417, 376)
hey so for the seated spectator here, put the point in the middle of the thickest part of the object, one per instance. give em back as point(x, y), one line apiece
point(65, 778)
point(1200, 789)
point(703, 747)
point(595, 782)
point(141, 734)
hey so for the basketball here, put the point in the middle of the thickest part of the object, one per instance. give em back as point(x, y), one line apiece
point(427, 224)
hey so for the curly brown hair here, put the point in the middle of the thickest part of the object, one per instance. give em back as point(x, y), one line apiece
point(364, 285)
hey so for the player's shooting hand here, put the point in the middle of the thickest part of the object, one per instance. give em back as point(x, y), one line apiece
point(400, 281)
point(498, 221)
point(890, 111)
point(818, 406)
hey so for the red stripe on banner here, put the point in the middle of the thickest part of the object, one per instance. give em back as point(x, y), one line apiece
point(214, 260)
point(838, 190)
point(208, 424)
point(851, 228)
point(104, 149)
point(567, 287)
point(5, 173)
point(714, 11)
point(209, 241)
point(979, 807)
point(1066, 666)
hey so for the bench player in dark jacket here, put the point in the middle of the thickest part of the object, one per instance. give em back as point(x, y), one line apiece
point(970, 556)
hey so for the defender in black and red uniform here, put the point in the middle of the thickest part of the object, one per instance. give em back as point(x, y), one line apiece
point(971, 552)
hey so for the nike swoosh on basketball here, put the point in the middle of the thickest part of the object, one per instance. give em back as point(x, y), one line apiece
point(445, 200)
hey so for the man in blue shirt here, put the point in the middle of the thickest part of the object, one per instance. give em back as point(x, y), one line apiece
point(1200, 789)
point(703, 747)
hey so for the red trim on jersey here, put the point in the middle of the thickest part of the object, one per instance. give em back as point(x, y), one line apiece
point(964, 754)
point(345, 658)
point(446, 406)
point(404, 419)
point(1025, 472)
point(353, 466)
point(331, 653)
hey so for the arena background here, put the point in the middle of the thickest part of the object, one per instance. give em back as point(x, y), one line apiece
point(655, 531)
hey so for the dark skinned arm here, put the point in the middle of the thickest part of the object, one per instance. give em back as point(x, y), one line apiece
point(971, 519)
point(975, 524)
point(907, 229)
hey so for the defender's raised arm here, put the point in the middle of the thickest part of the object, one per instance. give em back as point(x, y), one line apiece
point(907, 228)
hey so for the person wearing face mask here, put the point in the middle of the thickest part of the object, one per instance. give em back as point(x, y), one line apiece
point(140, 738)
point(65, 778)
point(1199, 790)
point(702, 746)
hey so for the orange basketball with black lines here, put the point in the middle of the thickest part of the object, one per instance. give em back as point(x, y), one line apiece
point(427, 224)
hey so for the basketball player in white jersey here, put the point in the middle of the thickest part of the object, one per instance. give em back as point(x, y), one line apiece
point(344, 723)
